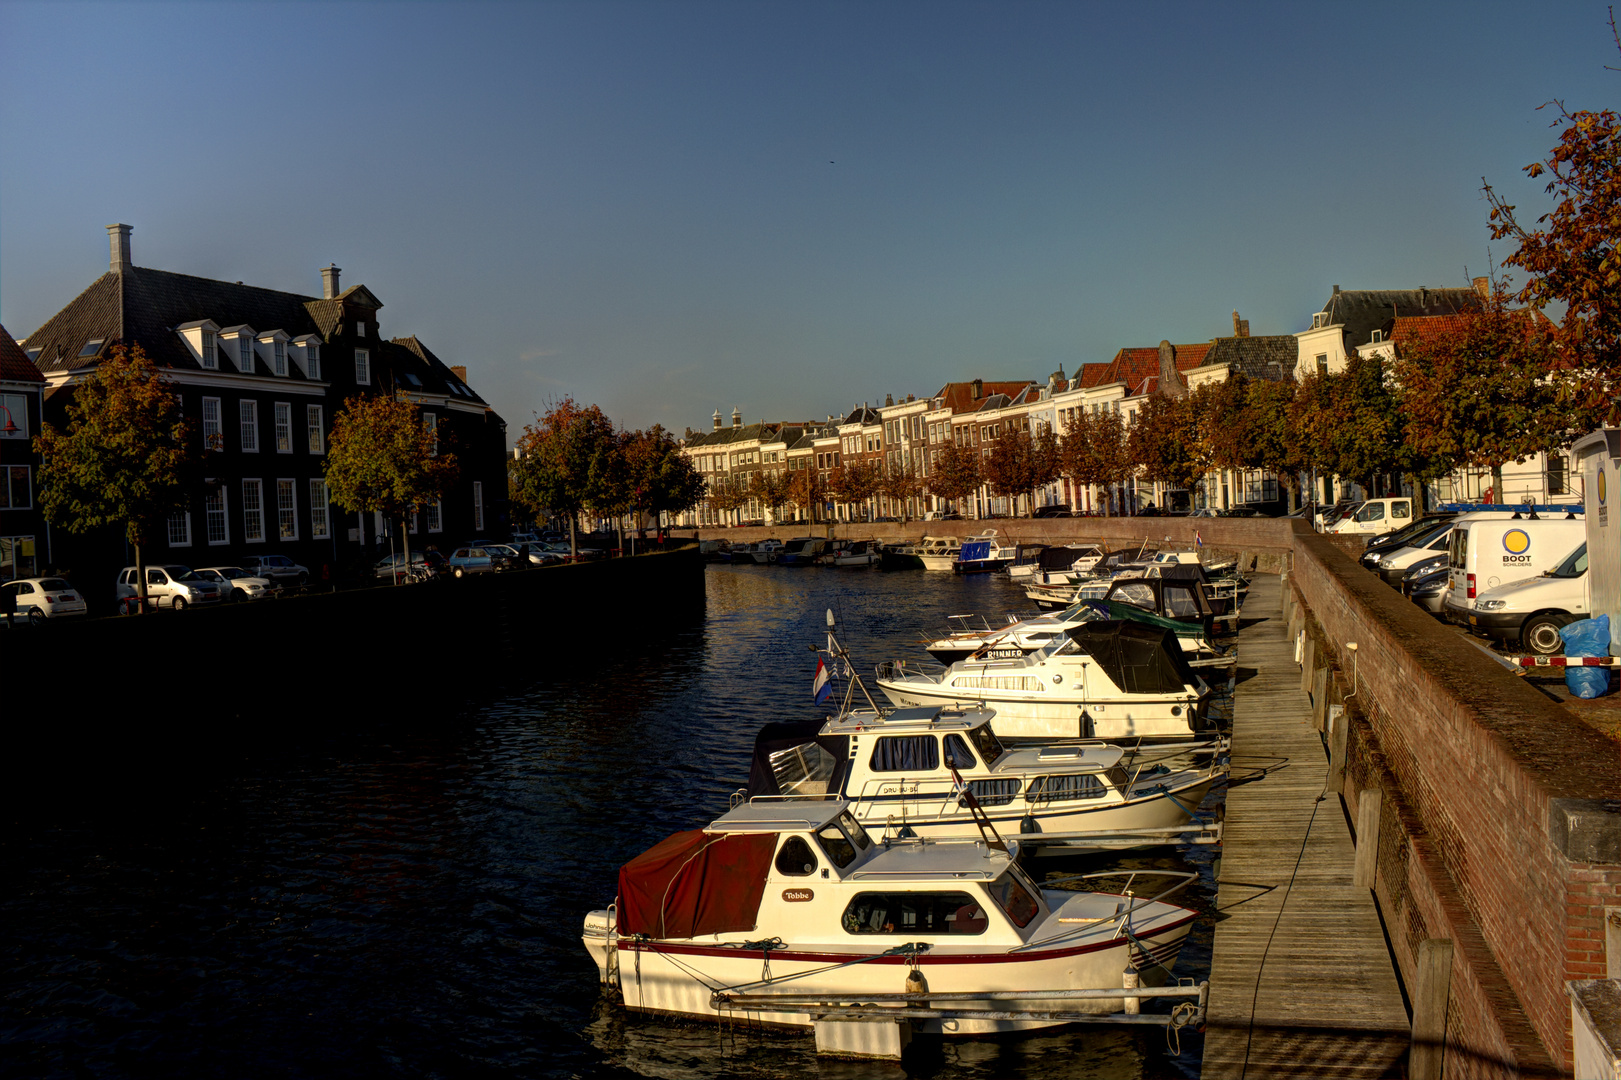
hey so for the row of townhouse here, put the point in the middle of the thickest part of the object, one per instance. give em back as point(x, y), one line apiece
point(260, 375)
point(908, 434)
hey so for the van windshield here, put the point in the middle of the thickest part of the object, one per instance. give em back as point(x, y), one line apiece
point(1573, 566)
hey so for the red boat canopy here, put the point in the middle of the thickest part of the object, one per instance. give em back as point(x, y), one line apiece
point(695, 883)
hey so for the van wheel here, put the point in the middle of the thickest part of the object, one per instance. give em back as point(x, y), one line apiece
point(177, 604)
point(1541, 636)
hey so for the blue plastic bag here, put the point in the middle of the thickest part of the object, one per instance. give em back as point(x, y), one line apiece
point(1587, 637)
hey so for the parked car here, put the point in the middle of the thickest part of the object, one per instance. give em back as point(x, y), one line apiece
point(1384, 543)
point(1492, 550)
point(1375, 516)
point(279, 570)
point(525, 538)
point(538, 554)
point(236, 583)
point(40, 598)
point(1531, 611)
point(482, 560)
point(393, 566)
point(1429, 590)
point(1058, 510)
point(171, 586)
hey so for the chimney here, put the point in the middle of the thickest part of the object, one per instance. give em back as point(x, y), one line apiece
point(979, 388)
point(1336, 290)
point(889, 399)
point(717, 419)
point(1241, 327)
point(737, 417)
point(1483, 286)
point(1169, 384)
point(329, 282)
point(460, 371)
point(118, 240)
point(910, 397)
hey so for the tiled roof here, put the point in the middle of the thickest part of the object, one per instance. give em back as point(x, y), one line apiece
point(1133, 366)
point(959, 396)
point(1362, 311)
point(863, 415)
point(437, 378)
point(1423, 327)
point(1271, 357)
point(14, 363)
point(727, 435)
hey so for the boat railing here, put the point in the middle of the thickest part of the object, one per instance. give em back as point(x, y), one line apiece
point(910, 669)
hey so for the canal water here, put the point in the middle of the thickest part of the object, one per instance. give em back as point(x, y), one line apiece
point(379, 897)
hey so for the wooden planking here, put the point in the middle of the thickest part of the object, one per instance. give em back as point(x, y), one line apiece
point(1301, 982)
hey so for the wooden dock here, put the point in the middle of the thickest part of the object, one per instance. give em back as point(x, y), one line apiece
point(1301, 980)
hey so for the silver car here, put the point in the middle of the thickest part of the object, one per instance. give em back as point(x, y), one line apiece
point(236, 583)
point(171, 586)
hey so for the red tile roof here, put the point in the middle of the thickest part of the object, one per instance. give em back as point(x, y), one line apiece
point(960, 395)
point(14, 363)
point(1134, 366)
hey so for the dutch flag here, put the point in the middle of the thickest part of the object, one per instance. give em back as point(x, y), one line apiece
point(822, 687)
point(1198, 541)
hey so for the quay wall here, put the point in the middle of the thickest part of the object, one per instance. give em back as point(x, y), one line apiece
point(1264, 542)
point(1500, 820)
point(172, 689)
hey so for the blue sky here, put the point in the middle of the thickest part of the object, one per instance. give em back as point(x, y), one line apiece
point(669, 208)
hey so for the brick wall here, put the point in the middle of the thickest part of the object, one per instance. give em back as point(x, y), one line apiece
point(1494, 831)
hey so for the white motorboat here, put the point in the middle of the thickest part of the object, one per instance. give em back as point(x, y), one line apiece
point(982, 554)
point(765, 551)
point(850, 553)
point(1018, 637)
point(1026, 561)
point(938, 552)
point(904, 773)
point(779, 903)
point(800, 551)
point(1112, 679)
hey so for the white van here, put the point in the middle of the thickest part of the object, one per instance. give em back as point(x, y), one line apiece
point(1376, 516)
point(1486, 554)
point(1532, 611)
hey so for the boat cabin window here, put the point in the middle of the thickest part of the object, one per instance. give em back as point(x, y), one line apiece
point(1064, 787)
point(802, 770)
point(1012, 897)
point(796, 858)
point(1180, 603)
point(1137, 595)
point(836, 845)
point(914, 913)
point(906, 753)
point(853, 829)
point(990, 747)
point(991, 792)
point(958, 756)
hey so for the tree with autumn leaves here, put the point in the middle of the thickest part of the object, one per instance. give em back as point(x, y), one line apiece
point(381, 458)
point(125, 457)
point(956, 473)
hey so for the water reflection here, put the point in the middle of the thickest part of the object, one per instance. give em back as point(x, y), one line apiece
point(407, 899)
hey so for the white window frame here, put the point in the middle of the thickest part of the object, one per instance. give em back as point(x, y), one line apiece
point(431, 422)
point(320, 511)
point(17, 406)
point(363, 367)
point(478, 506)
point(286, 529)
point(278, 352)
point(210, 351)
point(215, 503)
point(213, 428)
point(179, 529)
point(253, 511)
point(312, 361)
point(283, 413)
point(8, 497)
point(248, 422)
point(315, 426)
point(436, 516)
point(244, 354)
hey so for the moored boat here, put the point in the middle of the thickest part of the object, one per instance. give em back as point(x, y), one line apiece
point(938, 552)
point(982, 554)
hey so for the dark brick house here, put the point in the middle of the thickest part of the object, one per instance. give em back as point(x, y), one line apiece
point(260, 374)
point(23, 539)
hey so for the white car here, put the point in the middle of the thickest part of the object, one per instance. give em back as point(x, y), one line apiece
point(173, 586)
point(236, 583)
point(38, 599)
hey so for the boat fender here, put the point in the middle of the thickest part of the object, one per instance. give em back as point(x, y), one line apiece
point(916, 983)
point(1028, 824)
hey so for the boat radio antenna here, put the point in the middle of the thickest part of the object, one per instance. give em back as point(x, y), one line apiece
point(835, 650)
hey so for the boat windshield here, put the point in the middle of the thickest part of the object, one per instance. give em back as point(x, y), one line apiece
point(853, 829)
point(1063, 646)
point(802, 770)
point(1012, 897)
point(836, 845)
point(990, 747)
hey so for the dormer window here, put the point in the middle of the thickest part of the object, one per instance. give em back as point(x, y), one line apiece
point(210, 351)
point(360, 328)
point(312, 360)
point(1319, 319)
point(92, 347)
point(410, 378)
point(33, 354)
point(278, 352)
point(363, 367)
point(1378, 336)
point(244, 354)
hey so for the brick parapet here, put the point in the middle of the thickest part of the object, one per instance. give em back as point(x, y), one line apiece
point(1471, 760)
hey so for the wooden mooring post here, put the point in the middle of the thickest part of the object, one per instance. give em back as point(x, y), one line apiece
point(1367, 837)
point(1428, 1053)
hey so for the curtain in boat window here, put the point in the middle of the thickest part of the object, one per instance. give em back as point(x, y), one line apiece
point(991, 792)
point(957, 753)
point(906, 753)
point(1058, 788)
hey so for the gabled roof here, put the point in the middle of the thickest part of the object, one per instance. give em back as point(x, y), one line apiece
point(959, 396)
point(1136, 366)
point(728, 435)
point(1272, 357)
point(862, 415)
point(14, 363)
point(1362, 311)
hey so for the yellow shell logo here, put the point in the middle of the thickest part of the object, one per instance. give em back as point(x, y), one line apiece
point(1601, 486)
point(1515, 541)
